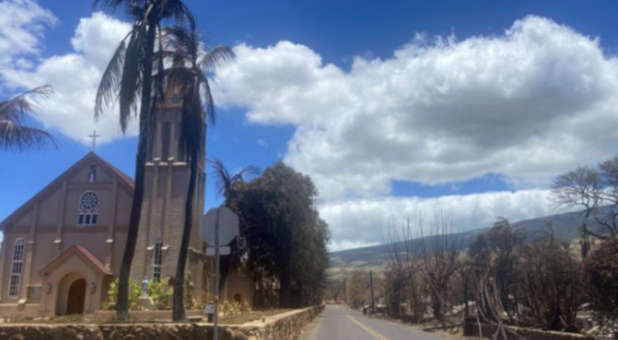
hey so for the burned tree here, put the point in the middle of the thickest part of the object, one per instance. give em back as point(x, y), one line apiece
point(595, 190)
point(439, 263)
point(551, 284)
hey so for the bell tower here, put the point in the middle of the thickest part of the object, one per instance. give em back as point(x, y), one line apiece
point(165, 194)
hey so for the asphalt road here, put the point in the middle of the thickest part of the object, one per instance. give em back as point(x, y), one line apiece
point(341, 323)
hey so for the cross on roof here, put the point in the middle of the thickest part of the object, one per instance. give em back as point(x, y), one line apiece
point(94, 139)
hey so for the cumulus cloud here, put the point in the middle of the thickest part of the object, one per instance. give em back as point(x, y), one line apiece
point(23, 23)
point(74, 77)
point(529, 103)
point(364, 222)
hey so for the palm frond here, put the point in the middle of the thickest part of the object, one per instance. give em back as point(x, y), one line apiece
point(182, 41)
point(110, 81)
point(215, 57)
point(181, 75)
point(209, 101)
point(224, 179)
point(15, 108)
point(13, 134)
point(19, 137)
point(131, 78)
point(243, 173)
point(177, 10)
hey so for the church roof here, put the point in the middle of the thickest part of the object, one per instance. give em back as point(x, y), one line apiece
point(79, 251)
point(89, 158)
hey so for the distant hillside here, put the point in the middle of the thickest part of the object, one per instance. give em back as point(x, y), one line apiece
point(566, 227)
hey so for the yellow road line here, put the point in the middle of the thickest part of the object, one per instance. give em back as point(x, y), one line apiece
point(367, 329)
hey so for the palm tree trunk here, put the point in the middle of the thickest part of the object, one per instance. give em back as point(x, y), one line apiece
point(178, 306)
point(122, 306)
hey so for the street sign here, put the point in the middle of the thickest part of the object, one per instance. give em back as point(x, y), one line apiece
point(210, 251)
point(218, 227)
point(228, 226)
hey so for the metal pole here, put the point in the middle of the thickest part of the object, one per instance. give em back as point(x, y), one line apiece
point(216, 316)
point(373, 306)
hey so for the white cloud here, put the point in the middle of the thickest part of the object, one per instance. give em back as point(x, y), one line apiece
point(530, 103)
point(23, 22)
point(75, 77)
point(368, 221)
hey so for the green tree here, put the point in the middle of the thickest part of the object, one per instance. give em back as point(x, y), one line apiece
point(285, 236)
point(189, 74)
point(14, 135)
point(129, 77)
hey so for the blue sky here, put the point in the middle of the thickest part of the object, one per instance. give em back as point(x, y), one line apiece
point(394, 108)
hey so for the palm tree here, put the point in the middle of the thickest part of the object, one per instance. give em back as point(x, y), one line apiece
point(14, 135)
point(227, 182)
point(129, 77)
point(189, 71)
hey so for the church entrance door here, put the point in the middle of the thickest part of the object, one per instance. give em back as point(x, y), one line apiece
point(76, 297)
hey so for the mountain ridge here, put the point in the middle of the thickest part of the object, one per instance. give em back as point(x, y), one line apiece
point(565, 227)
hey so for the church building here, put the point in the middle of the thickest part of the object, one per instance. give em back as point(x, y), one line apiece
point(63, 247)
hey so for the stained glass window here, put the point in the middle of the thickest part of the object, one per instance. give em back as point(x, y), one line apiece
point(88, 209)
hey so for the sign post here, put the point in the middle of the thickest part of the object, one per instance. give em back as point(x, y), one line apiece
point(219, 227)
point(217, 263)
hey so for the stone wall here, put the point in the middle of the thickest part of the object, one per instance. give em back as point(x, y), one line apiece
point(142, 315)
point(285, 326)
point(472, 330)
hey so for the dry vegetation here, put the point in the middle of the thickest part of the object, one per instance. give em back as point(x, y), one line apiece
point(506, 277)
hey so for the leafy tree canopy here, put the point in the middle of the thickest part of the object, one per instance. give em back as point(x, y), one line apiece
point(286, 238)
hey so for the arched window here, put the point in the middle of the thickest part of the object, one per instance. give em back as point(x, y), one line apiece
point(88, 210)
point(156, 261)
point(92, 174)
point(16, 267)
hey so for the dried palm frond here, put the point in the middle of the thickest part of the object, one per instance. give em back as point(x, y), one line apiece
point(13, 133)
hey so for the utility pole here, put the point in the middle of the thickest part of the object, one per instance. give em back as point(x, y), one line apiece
point(373, 306)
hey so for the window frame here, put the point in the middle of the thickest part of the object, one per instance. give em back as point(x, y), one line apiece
point(19, 248)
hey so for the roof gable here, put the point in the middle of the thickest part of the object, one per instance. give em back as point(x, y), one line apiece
point(90, 158)
point(80, 252)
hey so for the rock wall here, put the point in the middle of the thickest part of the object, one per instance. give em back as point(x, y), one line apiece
point(285, 326)
point(471, 329)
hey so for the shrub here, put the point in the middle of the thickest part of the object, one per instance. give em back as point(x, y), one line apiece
point(232, 308)
point(112, 294)
point(601, 275)
point(161, 294)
